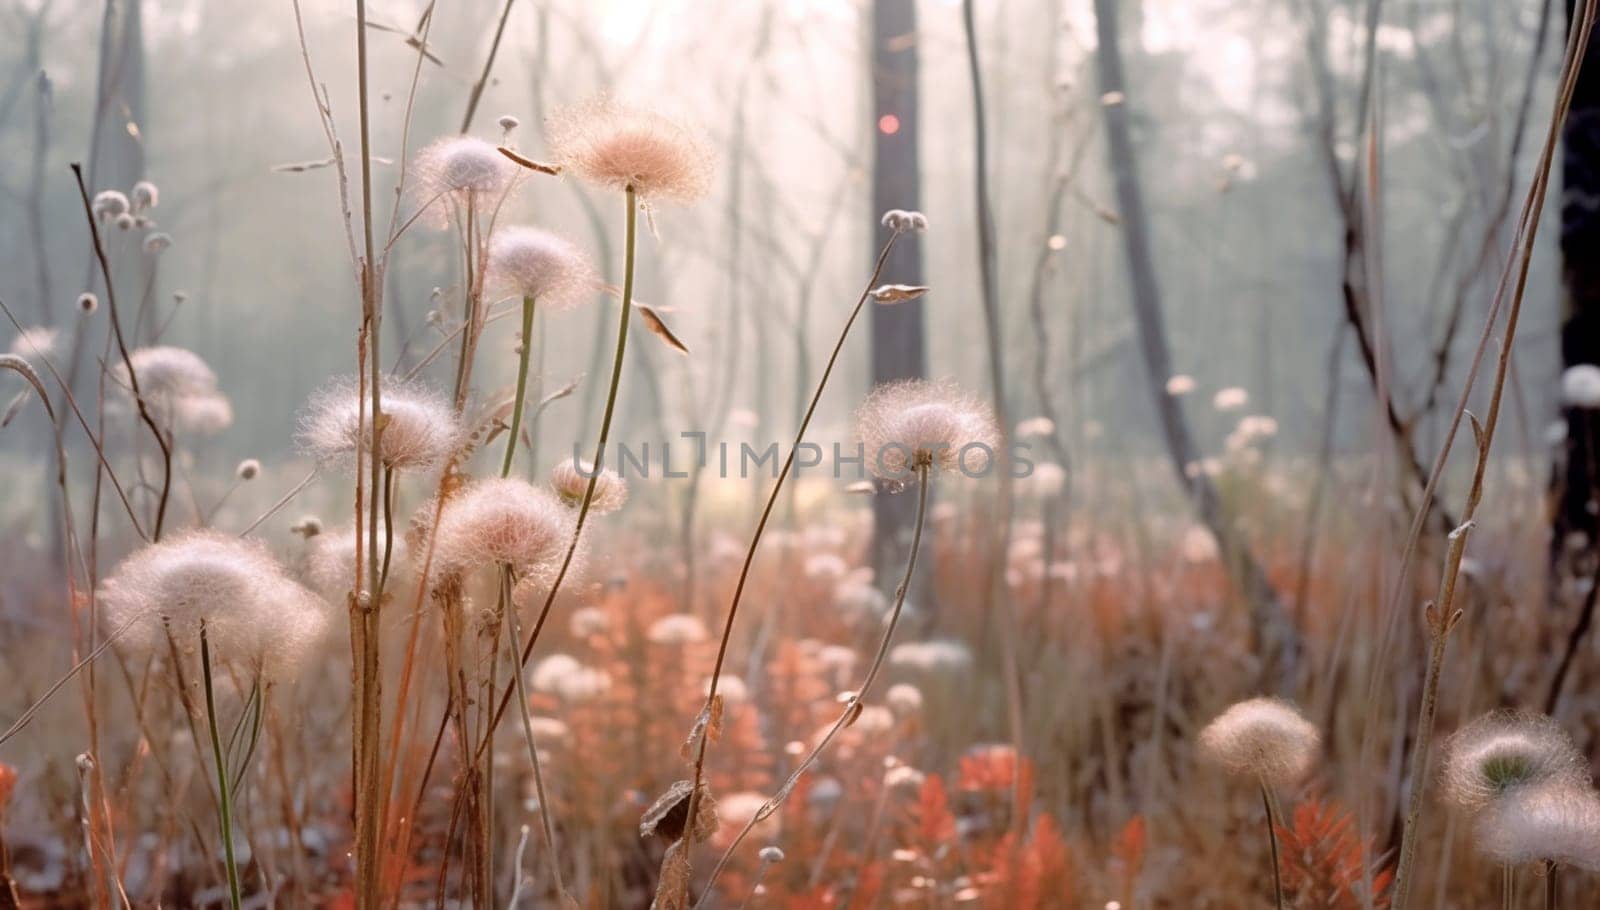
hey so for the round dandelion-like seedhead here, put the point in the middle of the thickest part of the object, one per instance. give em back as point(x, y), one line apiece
point(168, 373)
point(906, 426)
point(420, 429)
point(330, 565)
point(528, 262)
point(1580, 386)
point(109, 205)
point(1180, 384)
point(464, 166)
point(1230, 399)
point(1504, 751)
point(1263, 737)
point(248, 469)
point(88, 303)
point(570, 480)
point(250, 608)
point(1557, 823)
point(902, 221)
point(178, 387)
point(39, 341)
point(677, 629)
point(502, 521)
point(565, 676)
point(157, 243)
point(620, 148)
point(145, 196)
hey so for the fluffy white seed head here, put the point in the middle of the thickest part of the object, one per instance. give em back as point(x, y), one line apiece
point(1580, 386)
point(331, 561)
point(565, 676)
point(904, 699)
point(248, 469)
point(677, 629)
point(502, 521)
point(179, 388)
point(1230, 399)
point(1262, 737)
point(157, 243)
point(1503, 751)
point(88, 303)
point(528, 262)
point(464, 167)
point(419, 433)
point(906, 425)
point(570, 480)
point(902, 221)
point(251, 610)
point(1180, 384)
point(618, 147)
point(939, 656)
point(1557, 823)
point(166, 372)
point(110, 204)
point(39, 341)
point(145, 196)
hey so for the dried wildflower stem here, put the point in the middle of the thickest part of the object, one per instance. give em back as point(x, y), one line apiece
point(630, 239)
point(533, 749)
point(851, 709)
point(224, 791)
point(488, 64)
point(522, 391)
point(1508, 879)
point(772, 501)
point(1272, 842)
point(1442, 615)
point(364, 631)
point(122, 348)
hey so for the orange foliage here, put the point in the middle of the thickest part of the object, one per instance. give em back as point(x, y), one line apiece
point(1321, 855)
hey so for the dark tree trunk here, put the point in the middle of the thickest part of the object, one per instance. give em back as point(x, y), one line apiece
point(1575, 481)
point(1274, 637)
point(897, 331)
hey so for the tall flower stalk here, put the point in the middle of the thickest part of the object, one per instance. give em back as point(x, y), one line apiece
point(224, 790)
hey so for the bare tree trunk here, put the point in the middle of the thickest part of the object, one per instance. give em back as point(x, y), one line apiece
point(1273, 634)
point(898, 351)
point(1575, 482)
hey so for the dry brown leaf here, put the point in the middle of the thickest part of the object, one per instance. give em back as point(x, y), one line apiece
point(529, 163)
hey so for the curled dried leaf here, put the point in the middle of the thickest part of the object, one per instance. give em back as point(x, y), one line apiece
point(529, 163)
point(668, 817)
point(652, 321)
point(897, 293)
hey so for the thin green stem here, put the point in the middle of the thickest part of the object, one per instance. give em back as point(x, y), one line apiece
point(522, 386)
point(851, 708)
point(527, 735)
point(1272, 841)
point(224, 796)
point(630, 241)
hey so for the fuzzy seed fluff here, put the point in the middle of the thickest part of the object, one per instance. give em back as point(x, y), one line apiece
point(618, 147)
point(904, 425)
point(502, 521)
point(528, 262)
point(1554, 822)
point(463, 166)
point(39, 341)
point(1503, 751)
point(251, 609)
point(421, 432)
point(570, 480)
point(1262, 737)
point(1580, 386)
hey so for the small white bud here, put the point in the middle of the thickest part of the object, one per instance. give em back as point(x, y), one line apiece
point(88, 303)
point(248, 469)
